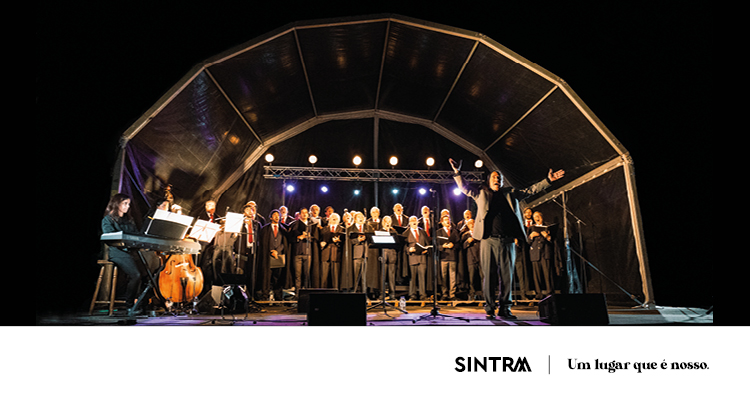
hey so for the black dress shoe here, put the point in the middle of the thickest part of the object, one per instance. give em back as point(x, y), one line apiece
point(506, 314)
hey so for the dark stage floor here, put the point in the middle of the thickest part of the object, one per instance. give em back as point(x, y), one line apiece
point(417, 313)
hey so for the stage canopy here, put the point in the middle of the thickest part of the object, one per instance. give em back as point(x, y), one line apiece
point(385, 85)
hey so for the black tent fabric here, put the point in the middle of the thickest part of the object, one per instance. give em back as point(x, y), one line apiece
point(383, 85)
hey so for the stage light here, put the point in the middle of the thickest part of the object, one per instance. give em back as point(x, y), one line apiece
point(313, 160)
point(290, 188)
point(394, 191)
point(393, 161)
point(422, 191)
point(356, 192)
point(430, 162)
point(269, 158)
point(456, 191)
point(478, 164)
point(324, 189)
point(357, 160)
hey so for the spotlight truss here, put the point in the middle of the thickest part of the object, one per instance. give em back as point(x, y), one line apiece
point(360, 174)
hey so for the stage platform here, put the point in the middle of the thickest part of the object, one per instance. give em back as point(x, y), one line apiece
point(418, 313)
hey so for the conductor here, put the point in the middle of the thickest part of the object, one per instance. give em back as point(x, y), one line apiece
point(498, 225)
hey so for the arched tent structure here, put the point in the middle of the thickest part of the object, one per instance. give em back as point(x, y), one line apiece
point(379, 83)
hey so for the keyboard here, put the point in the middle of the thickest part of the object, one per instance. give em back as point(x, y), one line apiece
point(134, 241)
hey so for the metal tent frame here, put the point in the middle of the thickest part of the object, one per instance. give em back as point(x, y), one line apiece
point(214, 125)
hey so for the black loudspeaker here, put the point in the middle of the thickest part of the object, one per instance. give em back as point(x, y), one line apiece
point(303, 300)
point(337, 309)
point(574, 309)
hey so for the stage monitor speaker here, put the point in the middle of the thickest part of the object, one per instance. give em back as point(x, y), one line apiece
point(303, 299)
point(337, 309)
point(574, 309)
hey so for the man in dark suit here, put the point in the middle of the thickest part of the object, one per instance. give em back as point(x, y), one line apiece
point(284, 217)
point(417, 246)
point(523, 265)
point(428, 226)
point(331, 244)
point(540, 254)
point(374, 223)
point(251, 211)
point(273, 256)
point(327, 212)
point(461, 225)
point(426, 222)
point(204, 260)
point(247, 247)
point(498, 225)
point(390, 258)
point(301, 233)
point(209, 212)
point(316, 225)
point(358, 250)
point(448, 242)
point(398, 219)
point(471, 249)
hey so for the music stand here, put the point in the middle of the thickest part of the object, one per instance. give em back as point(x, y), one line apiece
point(234, 225)
point(384, 240)
point(435, 260)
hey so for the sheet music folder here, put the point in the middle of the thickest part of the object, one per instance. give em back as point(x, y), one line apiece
point(400, 229)
point(541, 228)
point(168, 225)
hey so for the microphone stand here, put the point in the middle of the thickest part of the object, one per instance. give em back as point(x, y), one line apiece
point(434, 312)
point(362, 272)
point(574, 282)
point(253, 250)
point(308, 245)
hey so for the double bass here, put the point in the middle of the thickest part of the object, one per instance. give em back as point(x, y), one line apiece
point(180, 280)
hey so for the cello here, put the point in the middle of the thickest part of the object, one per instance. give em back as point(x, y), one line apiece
point(180, 280)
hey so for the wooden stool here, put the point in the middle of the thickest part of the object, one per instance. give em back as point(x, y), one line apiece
point(108, 270)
